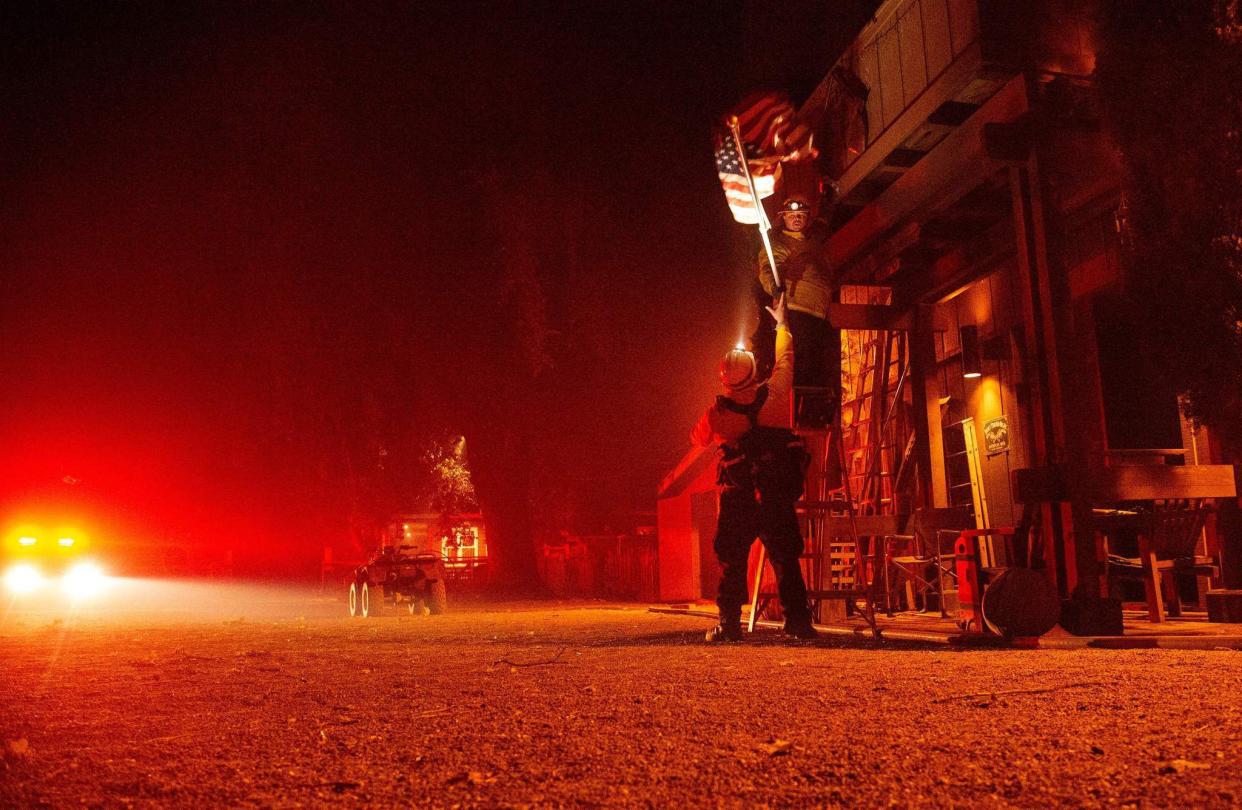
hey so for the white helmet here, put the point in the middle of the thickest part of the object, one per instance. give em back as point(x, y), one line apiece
point(738, 370)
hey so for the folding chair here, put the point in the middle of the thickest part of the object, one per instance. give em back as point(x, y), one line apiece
point(923, 558)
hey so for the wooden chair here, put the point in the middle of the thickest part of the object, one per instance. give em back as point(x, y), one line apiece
point(1168, 538)
point(923, 558)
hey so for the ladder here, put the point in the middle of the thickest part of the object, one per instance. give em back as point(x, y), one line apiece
point(833, 533)
point(871, 436)
point(873, 447)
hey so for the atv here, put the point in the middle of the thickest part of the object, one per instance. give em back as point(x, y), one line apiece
point(396, 577)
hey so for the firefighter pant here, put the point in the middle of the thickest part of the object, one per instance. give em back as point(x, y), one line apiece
point(742, 519)
point(817, 351)
point(817, 348)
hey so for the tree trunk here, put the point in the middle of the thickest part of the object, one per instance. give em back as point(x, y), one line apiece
point(501, 469)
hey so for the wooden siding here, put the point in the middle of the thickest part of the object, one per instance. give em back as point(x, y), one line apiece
point(988, 304)
point(907, 48)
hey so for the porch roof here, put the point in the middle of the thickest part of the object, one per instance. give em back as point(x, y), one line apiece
point(691, 466)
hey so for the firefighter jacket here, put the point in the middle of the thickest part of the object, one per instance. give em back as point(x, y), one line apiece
point(726, 427)
point(803, 271)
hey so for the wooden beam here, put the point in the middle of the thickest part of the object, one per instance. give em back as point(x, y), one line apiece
point(868, 525)
point(868, 316)
point(873, 262)
point(689, 468)
point(961, 267)
point(967, 66)
point(949, 171)
point(1148, 482)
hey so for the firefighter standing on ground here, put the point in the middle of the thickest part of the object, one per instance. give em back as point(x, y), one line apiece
point(747, 507)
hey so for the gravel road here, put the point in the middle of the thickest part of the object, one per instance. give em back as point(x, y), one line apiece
point(287, 703)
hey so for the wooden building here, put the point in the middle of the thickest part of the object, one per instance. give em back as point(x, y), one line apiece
point(978, 198)
point(460, 538)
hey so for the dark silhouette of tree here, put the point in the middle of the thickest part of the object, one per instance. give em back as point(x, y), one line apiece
point(258, 259)
point(1170, 75)
point(504, 354)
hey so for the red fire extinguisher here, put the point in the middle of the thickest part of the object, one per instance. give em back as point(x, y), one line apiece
point(969, 587)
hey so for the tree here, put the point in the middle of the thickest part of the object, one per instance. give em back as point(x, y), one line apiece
point(451, 489)
point(505, 350)
point(1169, 74)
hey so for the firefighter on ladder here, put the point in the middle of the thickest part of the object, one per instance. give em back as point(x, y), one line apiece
point(809, 288)
point(748, 507)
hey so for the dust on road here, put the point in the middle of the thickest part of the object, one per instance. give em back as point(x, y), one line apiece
point(282, 701)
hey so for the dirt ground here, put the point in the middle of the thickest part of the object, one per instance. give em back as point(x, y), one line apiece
point(194, 695)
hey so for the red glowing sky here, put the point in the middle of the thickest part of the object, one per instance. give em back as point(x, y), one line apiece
point(237, 239)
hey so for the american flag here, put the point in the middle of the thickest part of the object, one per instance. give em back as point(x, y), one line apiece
point(769, 123)
point(772, 134)
point(733, 179)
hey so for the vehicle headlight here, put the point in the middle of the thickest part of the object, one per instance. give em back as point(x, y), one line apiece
point(22, 578)
point(84, 580)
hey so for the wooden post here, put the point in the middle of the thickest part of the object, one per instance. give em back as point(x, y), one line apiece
point(1041, 424)
point(1151, 580)
point(932, 490)
point(1228, 515)
point(1056, 352)
point(1070, 368)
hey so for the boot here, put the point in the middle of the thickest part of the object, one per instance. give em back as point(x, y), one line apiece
point(725, 631)
point(801, 629)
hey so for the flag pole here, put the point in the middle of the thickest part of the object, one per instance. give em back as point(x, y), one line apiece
point(764, 225)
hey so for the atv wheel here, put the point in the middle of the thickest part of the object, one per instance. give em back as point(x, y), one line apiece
point(437, 597)
point(355, 600)
point(372, 601)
